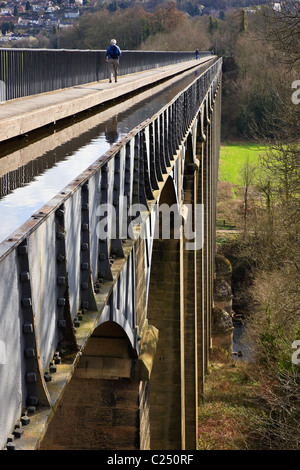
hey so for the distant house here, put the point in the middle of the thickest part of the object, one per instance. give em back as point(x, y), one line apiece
point(37, 8)
point(65, 25)
point(71, 14)
point(7, 18)
point(6, 11)
point(214, 13)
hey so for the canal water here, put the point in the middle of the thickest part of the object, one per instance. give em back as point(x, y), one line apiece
point(34, 171)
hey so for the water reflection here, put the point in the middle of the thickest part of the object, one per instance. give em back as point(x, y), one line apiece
point(45, 186)
point(111, 130)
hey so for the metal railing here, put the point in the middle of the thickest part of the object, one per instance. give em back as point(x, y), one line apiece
point(25, 72)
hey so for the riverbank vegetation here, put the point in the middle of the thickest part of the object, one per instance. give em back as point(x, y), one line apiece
point(228, 415)
point(265, 207)
point(234, 156)
point(263, 251)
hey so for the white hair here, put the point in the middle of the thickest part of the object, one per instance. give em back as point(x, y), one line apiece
point(113, 41)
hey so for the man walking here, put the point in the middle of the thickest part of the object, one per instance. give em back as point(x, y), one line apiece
point(112, 56)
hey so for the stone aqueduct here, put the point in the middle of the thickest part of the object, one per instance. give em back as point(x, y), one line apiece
point(109, 336)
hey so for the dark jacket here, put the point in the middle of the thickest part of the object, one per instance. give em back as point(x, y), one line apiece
point(113, 52)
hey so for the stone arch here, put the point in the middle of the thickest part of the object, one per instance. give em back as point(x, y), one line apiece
point(109, 339)
point(100, 408)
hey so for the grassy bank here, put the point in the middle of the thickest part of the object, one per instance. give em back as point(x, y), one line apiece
point(230, 204)
point(233, 157)
point(227, 417)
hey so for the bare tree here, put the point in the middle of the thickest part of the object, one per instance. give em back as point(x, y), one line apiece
point(280, 26)
point(248, 172)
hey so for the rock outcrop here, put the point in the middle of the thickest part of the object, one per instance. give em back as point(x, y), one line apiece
point(222, 326)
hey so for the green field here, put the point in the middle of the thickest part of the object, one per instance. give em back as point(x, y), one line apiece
point(233, 157)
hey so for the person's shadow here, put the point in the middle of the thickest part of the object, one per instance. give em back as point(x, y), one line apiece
point(111, 130)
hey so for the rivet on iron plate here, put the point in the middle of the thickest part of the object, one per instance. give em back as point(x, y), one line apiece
point(23, 250)
point(60, 235)
point(25, 420)
point(28, 328)
point(26, 302)
point(29, 352)
point(60, 213)
point(32, 400)
point(31, 409)
point(24, 276)
point(18, 432)
point(31, 377)
point(10, 446)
